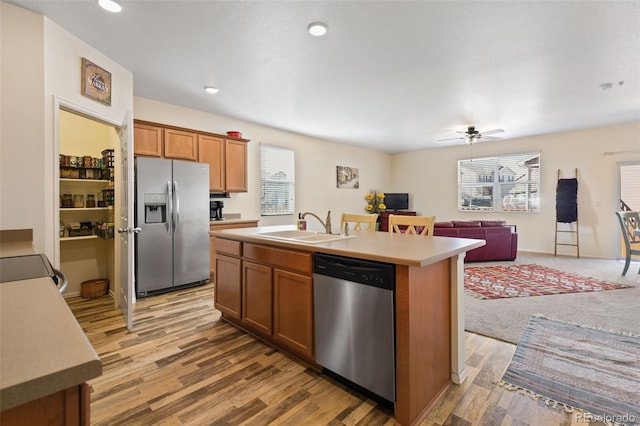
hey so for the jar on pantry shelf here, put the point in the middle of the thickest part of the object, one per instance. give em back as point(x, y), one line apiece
point(66, 201)
point(78, 201)
point(91, 201)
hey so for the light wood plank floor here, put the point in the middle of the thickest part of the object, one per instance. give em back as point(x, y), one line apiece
point(183, 366)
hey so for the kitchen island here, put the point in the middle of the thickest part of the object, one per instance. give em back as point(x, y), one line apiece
point(265, 286)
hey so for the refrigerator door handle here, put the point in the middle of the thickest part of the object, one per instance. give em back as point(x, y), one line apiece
point(169, 208)
point(176, 210)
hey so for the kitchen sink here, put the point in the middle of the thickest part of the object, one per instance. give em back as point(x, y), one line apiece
point(308, 237)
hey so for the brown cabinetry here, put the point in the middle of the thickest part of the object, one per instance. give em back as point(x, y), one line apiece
point(147, 140)
point(227, 157)
point(228, 294)
point(236, 166)
point(69, 407)
point(277, 295)
point(293, 311)
point(211, 150)
point(180, 145)
point(219, 226)
point(257, 294)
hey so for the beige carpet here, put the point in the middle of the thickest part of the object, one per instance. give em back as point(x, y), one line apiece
point(506, 319)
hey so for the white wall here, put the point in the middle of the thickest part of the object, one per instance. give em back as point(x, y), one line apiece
point(22, 157)
point(63, 57)
point(316, 162)
point(40, 61)
point(431, 178)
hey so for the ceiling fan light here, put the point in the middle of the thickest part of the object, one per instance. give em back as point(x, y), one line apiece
point(110, 6)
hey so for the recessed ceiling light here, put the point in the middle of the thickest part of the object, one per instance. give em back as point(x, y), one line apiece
point(110, 5)
point(317, 29)
point(211, 89)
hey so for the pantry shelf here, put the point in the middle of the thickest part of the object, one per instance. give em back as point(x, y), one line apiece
point(84, 237)
point(86, 180)
point(84, 209)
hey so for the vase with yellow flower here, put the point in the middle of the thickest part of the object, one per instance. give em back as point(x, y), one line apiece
point(375, 202)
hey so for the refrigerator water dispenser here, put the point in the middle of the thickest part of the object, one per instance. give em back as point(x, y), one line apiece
point(155, 208)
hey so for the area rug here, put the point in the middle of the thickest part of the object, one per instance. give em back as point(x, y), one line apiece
point(498, 282)
point(591, 372)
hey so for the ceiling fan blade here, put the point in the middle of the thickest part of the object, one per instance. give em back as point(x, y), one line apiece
point(492, 132)
point(450, 139)
point(490, 138)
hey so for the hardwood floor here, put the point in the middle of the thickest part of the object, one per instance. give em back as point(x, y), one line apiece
point(183, 366)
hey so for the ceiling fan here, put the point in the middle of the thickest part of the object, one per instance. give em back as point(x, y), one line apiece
point(471, 135)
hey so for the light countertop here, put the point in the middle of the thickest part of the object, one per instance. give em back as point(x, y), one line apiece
point(231, 221)
point(43, 350)
point(400, 249)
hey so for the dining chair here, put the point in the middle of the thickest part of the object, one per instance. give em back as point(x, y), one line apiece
point(419, 225)
point(358, 220)
point(630, 227)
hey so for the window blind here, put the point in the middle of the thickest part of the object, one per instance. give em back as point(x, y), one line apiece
point(277, 180)
point(504, 183)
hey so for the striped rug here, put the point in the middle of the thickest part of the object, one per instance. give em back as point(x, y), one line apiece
point(499, 282)
point(591, 372)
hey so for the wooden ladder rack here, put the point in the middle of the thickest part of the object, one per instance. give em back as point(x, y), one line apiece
point(569, 231)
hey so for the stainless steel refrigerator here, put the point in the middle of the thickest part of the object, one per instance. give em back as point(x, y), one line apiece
point(172, 212)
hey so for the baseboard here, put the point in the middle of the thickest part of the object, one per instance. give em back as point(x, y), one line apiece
point(550, 253)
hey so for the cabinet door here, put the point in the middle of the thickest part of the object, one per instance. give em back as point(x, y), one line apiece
point(257, 290)
point(180, 145)
point(228, 284)
point(293, 311)
point(147, 140)
point(236, 165)
point(211, 150)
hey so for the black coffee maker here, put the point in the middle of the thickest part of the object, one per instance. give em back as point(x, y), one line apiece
point(215, 210)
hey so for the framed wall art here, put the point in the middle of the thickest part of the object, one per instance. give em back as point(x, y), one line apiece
point(96, 82)
point(347, 177)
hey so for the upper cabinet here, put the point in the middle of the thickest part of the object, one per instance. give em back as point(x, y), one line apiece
point(236, 165)
point(226, 156)
point(148, 140)
point(180, 145)
point(211, 150)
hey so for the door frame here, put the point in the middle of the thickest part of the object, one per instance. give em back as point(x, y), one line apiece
point(62, 104)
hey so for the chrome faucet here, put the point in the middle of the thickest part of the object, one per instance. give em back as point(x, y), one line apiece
point(326, 224)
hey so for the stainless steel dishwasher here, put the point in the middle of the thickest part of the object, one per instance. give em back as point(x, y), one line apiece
point(354, 321)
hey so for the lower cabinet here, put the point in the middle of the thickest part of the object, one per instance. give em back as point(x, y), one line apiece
point(293, 311)
point(219, 226)
point(228, 286)
point(257, 296)
point(268, 291)
point(69, 407)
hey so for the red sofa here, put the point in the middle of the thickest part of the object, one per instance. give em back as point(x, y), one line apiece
point(501, 239)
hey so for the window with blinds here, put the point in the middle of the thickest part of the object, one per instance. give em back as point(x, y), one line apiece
point(498, 184)
point(277, 180)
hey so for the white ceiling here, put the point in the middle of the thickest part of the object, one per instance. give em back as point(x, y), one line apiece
point(390, 75)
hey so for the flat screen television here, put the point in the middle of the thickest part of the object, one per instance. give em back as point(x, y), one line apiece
point(396, 200)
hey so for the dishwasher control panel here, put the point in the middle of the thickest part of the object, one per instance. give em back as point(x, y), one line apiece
point(368, 272)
